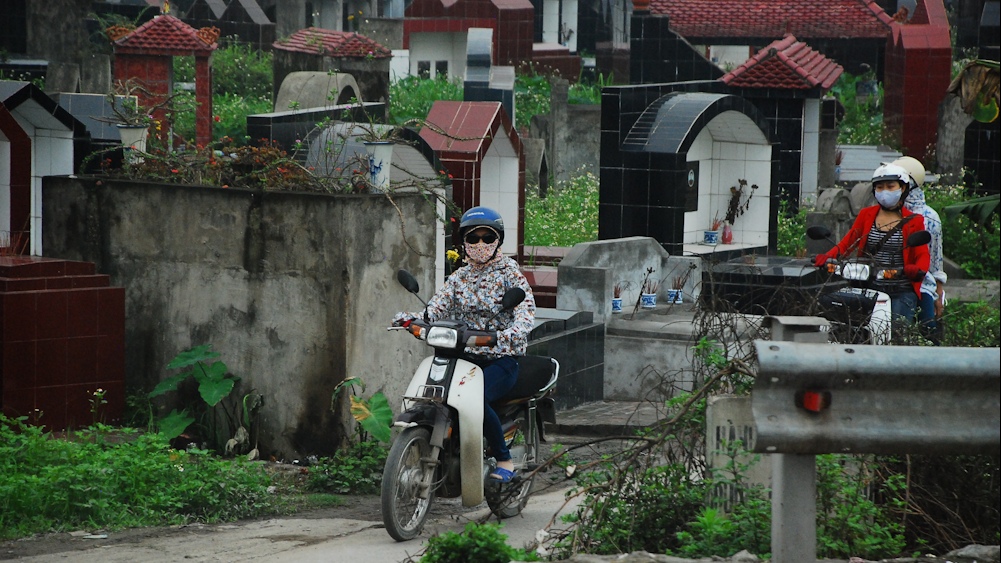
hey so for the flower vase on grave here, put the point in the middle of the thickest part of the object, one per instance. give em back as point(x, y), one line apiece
point(616, 304)
point(674, 296)
point(726, 236)
point(380, 155)
point(710, 237)
point(648, 300)
point(133, 141)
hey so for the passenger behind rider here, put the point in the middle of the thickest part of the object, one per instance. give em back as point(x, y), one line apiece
point(473, 294)
point(880, 232)
point(932, 300)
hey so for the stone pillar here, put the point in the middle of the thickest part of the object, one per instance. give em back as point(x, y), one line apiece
point(290, 17)
point(95, 74)
point(558, 99)
point(203, 95)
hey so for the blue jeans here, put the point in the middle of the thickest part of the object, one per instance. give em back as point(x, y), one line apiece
point(903, 306)
point(499, 377)
point(926, 316)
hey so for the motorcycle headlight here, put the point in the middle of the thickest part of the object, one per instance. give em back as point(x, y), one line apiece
point(442, 337)
point(853, 271)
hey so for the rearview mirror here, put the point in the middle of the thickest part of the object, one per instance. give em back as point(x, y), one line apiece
point(512, 298)
point(818, 232)
point(919, 238)
point(408, 281)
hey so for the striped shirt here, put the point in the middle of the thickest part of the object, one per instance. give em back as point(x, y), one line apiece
point(888, 255)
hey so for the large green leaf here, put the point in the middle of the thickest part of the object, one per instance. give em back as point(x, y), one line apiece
point(169, 384)
point(193, 356)
point(215, 371)
point(175, 423)
point(215, 390)
point(374, 415)
point(979, 210)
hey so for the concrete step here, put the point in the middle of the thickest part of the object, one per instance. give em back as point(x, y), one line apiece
point(606, 418)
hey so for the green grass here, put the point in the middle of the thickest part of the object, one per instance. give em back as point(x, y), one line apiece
point(569, 215)
point(102, 477)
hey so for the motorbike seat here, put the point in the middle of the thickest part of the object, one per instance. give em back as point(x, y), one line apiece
point(534, 373)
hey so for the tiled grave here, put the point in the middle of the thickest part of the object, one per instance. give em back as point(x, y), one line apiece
point(62, 339)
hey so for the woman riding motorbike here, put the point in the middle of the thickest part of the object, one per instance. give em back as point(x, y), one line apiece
point(473, 294)
point(879, 233)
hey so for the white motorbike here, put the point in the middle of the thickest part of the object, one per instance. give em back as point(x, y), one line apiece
point(858, 313)
point(441, 450)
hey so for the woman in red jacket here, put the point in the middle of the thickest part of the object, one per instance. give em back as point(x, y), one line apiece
point(880, 233)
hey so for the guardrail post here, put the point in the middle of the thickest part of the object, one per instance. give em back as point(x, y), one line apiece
point(794, 476)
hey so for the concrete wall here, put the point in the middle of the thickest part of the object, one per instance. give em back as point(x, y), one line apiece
point(293, 289)
point(590, 270)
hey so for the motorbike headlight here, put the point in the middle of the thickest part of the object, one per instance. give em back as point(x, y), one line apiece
point(442, 337)
point(853, 271)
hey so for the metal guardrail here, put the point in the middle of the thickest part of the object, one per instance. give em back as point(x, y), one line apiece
point(812, 397)
point(876, 399)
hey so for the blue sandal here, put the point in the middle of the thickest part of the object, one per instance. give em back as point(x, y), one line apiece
point(502, 475)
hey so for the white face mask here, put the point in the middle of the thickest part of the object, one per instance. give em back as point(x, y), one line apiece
point(888, 199)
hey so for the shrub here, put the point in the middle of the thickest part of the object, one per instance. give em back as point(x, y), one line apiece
point(90, 480)
point(411, 98)
point(482, 543)
point(975, 248)
point(862, 123)
point(791, 230)
point(356, 470)
point(855, 509)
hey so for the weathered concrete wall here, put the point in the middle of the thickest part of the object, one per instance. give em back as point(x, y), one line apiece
point(294, 290)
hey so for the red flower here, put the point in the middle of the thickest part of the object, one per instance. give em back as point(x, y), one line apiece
point(217, 118)
point(174, 170)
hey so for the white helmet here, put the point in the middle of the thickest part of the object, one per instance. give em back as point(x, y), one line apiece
point(887, 172)
point(914, 168)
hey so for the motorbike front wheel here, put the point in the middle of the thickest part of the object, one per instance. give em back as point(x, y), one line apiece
point(403, 510)
point(508, 500)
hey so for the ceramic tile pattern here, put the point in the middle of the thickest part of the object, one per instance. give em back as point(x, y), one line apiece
point(511, 20)
point(62, 337)
point(578, 344)
point(646, 133)
point(331, 43)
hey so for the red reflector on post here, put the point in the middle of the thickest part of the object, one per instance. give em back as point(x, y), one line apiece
point(814, 401)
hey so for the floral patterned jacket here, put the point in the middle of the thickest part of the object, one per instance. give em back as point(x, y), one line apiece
point(915, 202)
point(473, 294)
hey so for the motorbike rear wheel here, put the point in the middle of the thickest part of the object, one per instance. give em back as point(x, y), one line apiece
point(407, 465)
point(507, 500)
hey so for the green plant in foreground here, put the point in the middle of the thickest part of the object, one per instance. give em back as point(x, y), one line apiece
point(87, 481)
point(850, 523)
point(482, 543)
point(374, 415)
point(224, 430)
point(356, 470)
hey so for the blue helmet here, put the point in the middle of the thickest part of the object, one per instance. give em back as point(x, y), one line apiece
point(481, 217)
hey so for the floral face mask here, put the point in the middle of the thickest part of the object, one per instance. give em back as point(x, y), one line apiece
point(481, 251)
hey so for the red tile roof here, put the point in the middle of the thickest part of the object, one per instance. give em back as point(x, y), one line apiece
point(462, 127)
point(331, 43)
point(773, 19)
point(786, 63)
point(165, 33)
